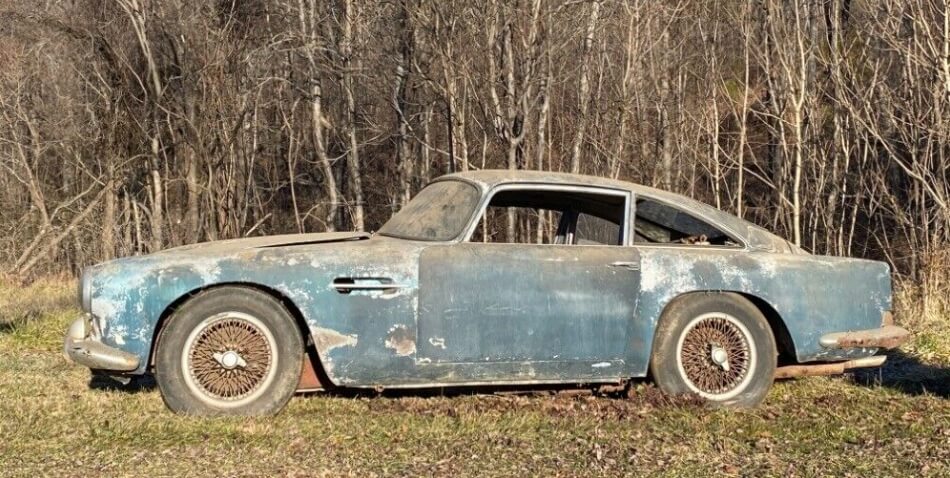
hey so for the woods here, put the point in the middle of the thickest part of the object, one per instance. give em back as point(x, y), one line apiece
point(129, 126)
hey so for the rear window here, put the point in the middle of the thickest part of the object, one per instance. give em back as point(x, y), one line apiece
point(659, 223)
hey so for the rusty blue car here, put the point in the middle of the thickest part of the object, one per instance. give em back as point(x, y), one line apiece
point(488, 278)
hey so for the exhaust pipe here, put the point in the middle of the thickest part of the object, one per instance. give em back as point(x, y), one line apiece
point(838, 368)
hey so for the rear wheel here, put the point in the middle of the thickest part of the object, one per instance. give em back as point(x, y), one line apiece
point(229, 351)
point(717, 346)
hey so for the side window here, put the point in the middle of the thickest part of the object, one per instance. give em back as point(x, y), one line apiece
point(536, 216)
point(658, 223)
point(530, 225)
point(592, 230)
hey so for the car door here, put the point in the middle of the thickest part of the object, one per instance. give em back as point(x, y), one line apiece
point(530, 312)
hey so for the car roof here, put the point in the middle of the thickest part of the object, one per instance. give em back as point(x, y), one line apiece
point(745, 230)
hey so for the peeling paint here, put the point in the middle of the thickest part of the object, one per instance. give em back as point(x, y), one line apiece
point(547, 313)
point(401, 340)
point(208, 270)
point(326, 339)
point(118, 338)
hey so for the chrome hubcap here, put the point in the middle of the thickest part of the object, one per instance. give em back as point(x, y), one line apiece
point(720, 357)
point(229, 360)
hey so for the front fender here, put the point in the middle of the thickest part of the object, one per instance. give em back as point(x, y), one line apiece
point(129, 297)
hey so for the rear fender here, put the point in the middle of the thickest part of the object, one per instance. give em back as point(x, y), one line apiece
point(813, 295)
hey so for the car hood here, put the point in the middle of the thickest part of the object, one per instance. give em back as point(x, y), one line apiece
point(231, 260)
point(230, 246)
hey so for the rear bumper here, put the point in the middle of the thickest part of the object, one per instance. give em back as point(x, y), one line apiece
point(887, 337)
point(81, 348)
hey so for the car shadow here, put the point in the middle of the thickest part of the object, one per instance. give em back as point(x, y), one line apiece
point(642, 389)
point(901, 372)
point(906, 374)
point(461, 391)
point(136, 384)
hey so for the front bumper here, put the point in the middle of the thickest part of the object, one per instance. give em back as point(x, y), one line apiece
point(887, 337)
point(82, 348)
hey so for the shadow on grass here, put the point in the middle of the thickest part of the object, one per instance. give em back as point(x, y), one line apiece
point(568, 401)
point(137, 384)
point(901, 372)
point(907, 374)
point(640, 391)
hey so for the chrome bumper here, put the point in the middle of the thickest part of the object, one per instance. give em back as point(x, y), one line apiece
point(887, 337)
point(84, 350)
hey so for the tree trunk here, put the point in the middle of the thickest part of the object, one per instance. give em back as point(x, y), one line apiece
point(354, 178)
point(401, 103)
point(583, 94)
point(108, 219)
point(157, 222)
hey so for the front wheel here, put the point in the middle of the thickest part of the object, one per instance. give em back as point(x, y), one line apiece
point(718, 346)
point(229, 351)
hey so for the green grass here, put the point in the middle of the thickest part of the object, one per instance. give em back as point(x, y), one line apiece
point(53, 423)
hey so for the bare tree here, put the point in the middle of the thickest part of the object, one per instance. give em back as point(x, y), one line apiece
point(186, 121)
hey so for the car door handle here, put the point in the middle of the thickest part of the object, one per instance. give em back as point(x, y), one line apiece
point(634, 266)
point(379, 285)
point(357, 286)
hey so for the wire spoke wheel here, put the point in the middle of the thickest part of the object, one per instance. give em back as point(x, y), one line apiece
point(229, 358)
point(716, 355)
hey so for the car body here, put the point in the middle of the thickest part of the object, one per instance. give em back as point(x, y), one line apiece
point(420, 304)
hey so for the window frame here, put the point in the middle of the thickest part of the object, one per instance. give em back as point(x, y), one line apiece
point(742, 245)
point(625, 228)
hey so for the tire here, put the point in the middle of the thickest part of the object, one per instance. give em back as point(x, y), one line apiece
point(718, 346)
point(229, 351)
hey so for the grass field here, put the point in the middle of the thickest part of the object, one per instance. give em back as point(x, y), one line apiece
point(53, 421)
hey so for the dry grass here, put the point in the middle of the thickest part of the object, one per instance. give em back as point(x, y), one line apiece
point(19, 305)
point(928, 318)
point(53, 423)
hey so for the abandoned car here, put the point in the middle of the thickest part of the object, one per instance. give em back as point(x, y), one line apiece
point(488, 278)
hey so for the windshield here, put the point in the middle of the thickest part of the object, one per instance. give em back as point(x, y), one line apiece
point(438, 213)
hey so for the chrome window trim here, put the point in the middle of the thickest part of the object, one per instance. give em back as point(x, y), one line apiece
point(743, 244)
point(626, 194)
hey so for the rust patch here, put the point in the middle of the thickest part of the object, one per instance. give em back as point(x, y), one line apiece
point(871, 342)
point(809, 370)
point(329, 339)
point(887, 337)
point(308, 377)
point(837, 368)
point(401, 340)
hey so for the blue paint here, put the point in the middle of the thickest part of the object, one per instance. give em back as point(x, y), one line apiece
point(491, 312)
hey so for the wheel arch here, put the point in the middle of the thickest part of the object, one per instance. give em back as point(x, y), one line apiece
point(299, 320)
point(784, 343)
point(783, 338)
